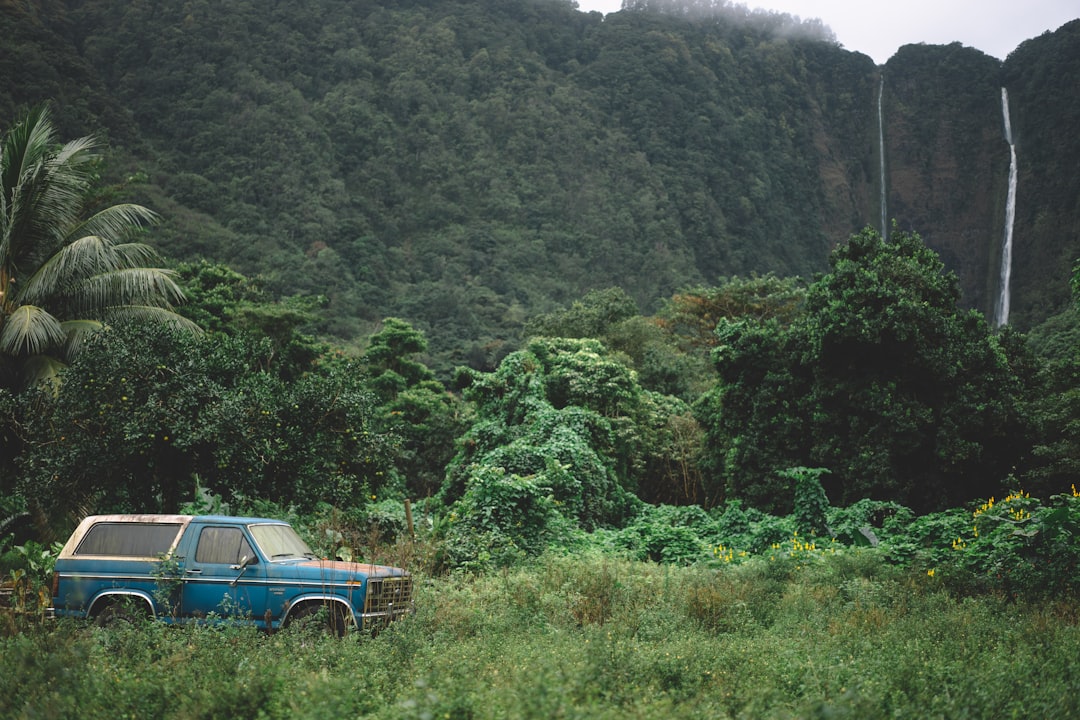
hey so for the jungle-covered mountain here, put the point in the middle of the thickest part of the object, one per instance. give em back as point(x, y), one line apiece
point(469, 164)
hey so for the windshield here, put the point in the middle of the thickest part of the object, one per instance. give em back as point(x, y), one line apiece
point(280, 542)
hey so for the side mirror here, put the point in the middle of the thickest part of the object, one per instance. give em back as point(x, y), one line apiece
point(241, 566)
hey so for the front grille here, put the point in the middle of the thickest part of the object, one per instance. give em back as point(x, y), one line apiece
point(387, 598)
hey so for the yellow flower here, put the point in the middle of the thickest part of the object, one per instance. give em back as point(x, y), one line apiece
point(930, 572)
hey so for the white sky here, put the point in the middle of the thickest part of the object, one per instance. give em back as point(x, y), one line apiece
point(878, 27)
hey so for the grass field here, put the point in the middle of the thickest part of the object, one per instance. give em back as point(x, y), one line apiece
point(844, 636)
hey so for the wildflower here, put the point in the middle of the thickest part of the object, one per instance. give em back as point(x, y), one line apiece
point(930, 572)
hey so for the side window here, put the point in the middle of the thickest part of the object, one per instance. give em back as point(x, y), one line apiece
point(130, 539)
point(222, 545)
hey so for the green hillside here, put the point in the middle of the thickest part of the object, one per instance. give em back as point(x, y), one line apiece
point(466, 165)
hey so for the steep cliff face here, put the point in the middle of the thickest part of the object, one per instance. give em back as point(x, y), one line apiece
point(843, 123)
point(462, 164)
point(1044, 97)
point(948, 165)
point(944, 155)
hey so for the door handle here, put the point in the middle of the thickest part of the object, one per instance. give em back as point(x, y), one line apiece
point(194, 571)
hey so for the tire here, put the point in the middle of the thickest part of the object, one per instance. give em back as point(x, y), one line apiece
point(329, 618)
point(120, 614)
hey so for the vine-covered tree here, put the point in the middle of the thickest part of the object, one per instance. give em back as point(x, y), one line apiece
point(567, 418)
point(558, 412)
point(64, 271)
point(883, 382)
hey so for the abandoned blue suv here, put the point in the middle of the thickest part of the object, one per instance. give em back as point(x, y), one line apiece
point(184, 568)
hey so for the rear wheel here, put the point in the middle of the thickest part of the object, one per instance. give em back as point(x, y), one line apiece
point(120, 614)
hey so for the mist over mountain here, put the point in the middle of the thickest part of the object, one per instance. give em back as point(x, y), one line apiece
point(466, 165)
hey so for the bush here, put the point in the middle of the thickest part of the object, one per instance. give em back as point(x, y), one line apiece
point(665, 533)
point(501, 519)
point(1021, 546)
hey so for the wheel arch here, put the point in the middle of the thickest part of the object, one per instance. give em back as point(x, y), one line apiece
point(306, 601)
point(109, 598)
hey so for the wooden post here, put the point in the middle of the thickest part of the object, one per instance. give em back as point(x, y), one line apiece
point(408, 519)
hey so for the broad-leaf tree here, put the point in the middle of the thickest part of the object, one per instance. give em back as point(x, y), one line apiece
point(413, 405)
point(66, 268)
point(883, 382)
point(146, 412)
point(692, 315)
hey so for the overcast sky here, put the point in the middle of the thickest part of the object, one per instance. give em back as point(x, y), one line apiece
point(879, 27)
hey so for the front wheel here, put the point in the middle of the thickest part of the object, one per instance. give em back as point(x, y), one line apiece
point(329, 618)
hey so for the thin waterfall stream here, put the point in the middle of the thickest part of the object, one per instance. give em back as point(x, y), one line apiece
point(1001, 311)
point(881, 155)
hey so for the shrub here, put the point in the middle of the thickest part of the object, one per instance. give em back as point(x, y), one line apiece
point(811, 507)
point(665, 533)
point(1021, 546)
point(501, 519)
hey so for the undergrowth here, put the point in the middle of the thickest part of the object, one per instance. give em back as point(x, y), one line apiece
point(591, 636)
point(859, 612)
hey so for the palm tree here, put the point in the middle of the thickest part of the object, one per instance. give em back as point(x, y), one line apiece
point(65, 272)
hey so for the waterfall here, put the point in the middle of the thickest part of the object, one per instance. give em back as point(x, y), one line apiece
point(881, 154)
point(1001, 315)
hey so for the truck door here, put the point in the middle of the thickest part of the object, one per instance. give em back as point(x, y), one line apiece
point(224, 576)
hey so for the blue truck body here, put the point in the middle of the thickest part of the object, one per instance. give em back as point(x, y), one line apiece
point(183, 568)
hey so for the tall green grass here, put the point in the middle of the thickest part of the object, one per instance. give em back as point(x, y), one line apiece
point(846, 635)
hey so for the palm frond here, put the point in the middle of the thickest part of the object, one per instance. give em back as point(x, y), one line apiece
point(24, 146)
point(116, 221)
point(135, 254)
point(71, 167)
point(125, 286)
point(77, 152)
point(42, 369)
point(154, 314)
point(30, 219)
point(30, 330)
point(43, 190)
point(85, 257)
point(77, 332)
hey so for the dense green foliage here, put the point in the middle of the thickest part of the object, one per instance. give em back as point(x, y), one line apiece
point(67, 266)
point(465, 166)
point(882, 380)
point(556, 419)
point(414, 406)
point(143, 414)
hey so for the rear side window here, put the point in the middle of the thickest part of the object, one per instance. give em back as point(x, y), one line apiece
point(129, 539)
point(222, 545)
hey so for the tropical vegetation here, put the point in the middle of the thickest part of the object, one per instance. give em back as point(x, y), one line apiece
point(467, 166)
point(64, 271)
point(660, 425)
